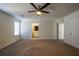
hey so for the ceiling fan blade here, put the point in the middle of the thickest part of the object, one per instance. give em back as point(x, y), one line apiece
point(32, 11)
point(45, 12)
point(45, 6)
point(33, 5)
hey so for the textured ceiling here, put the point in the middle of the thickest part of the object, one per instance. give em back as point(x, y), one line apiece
point(56, 10)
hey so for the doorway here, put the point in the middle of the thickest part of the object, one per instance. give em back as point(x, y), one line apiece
point(35, 30)
point(60, 31)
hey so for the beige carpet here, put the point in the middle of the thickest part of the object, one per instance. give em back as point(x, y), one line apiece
point(39, 48)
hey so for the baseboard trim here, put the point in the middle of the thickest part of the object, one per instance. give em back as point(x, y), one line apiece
point(39, 39)
point(71, 45)
point(8, 44)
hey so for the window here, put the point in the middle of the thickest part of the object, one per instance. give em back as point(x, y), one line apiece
point(16, 28)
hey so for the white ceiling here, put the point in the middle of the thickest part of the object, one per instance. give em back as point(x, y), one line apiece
point(56, 10)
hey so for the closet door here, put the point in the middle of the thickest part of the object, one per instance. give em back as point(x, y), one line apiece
point(75, 32)
point(67, 30)
point(72, 29)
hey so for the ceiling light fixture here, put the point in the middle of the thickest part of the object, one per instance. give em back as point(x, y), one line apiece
point(38, 13)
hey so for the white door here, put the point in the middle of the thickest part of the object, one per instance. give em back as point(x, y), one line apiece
point(75, 32)
point(67, 30)
point(61, 31)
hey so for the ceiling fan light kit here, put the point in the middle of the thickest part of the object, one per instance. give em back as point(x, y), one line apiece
point(39, 13)
point(39, 10)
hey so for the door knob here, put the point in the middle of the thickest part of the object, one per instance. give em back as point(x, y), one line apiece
point(70, 33)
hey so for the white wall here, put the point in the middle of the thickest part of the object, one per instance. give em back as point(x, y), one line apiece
point(72, 29)
point(7, 30)
point(47, 28)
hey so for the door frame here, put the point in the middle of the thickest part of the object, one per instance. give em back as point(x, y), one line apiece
point(57, 25)
point(57, 35)
point(34, 31)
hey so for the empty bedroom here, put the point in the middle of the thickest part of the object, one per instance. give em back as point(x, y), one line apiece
point(39, 29)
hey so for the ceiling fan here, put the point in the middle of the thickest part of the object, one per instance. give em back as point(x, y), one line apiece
point(39, 10)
